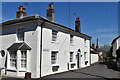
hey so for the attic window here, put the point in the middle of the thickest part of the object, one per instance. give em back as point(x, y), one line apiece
point(54, 35)
point(85, 42)
point(20, 34)
point(71, 39)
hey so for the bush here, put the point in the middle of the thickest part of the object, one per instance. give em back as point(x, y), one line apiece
point(107, 59)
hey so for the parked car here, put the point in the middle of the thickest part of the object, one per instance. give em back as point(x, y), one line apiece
point(118, 63)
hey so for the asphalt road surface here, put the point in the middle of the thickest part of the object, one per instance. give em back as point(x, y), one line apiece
point(103, 70)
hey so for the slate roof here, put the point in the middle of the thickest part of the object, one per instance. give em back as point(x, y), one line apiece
point(93, 50)
point(19, 46)
point(37, 17)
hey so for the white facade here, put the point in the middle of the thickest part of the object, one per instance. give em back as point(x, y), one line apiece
point(116, 45)
point(62, 47)
point(94, 58)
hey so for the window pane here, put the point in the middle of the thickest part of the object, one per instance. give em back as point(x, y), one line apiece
point(53, 57)
point(13, 59)
point(71, 38)
point(54, 35)
point(85, 55)
point(71, 56)
point(23, 59)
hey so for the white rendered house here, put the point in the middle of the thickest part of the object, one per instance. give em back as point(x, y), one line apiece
point(116, 46)
point(41, 46)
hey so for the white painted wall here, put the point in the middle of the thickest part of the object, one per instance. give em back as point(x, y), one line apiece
point(94, 58)
point(32, 38)
point(64, 48)
point(118, 42)
point(116, 45)
point(31, 33)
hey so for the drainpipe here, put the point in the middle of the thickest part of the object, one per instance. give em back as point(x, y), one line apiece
point(42, 24)
point(90, 52)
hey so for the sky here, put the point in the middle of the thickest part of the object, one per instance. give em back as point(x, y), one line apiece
point(98, 19)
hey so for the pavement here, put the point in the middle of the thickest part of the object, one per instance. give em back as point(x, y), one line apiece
point(99, 70)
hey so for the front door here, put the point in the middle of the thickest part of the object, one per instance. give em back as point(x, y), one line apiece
point(78, 58)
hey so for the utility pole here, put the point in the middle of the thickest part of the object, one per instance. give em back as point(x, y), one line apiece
point(97, 44)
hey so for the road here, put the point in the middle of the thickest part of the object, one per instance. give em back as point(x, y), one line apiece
point(102, 71)
point(95, 71)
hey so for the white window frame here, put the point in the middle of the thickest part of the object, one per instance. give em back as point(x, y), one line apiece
point(13, 59)
point(23, 59)
point(54, 35)
point(71, 39)
point(20, 34)
point(54, 57)
point(71, 56)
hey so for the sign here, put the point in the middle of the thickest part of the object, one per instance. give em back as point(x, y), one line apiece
point(46, 50)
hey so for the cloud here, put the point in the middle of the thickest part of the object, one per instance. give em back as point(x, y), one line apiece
point(110, 35)
point(105, 39)
point(105, 30)
point(0, 19)
point(105, 35)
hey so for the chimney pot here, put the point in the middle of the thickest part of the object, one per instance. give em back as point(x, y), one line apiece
point(20, 13)
point(50, 12)
point(51, 6)
point(93, 45)
point(21, 8)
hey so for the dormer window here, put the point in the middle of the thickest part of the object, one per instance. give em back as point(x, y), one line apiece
point(20, 34)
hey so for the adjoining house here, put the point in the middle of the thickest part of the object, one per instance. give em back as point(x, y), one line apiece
point(41, 46)
point(94, 57)
point(116, 47)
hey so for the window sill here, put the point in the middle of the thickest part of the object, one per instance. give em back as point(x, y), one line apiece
point(72, 62)
point(23, 70)
point(56, 42)
point(55, 65)
point(19, 41)
point(12, 70)
point(71, 44)
point(85, 46)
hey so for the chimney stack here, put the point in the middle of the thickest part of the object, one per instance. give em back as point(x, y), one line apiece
point(97, 44)
point(77, 25)
point(21, 13)
point(50, 12)
point(93, 45)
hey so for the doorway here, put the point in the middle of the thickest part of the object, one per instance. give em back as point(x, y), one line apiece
point(78, 58)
